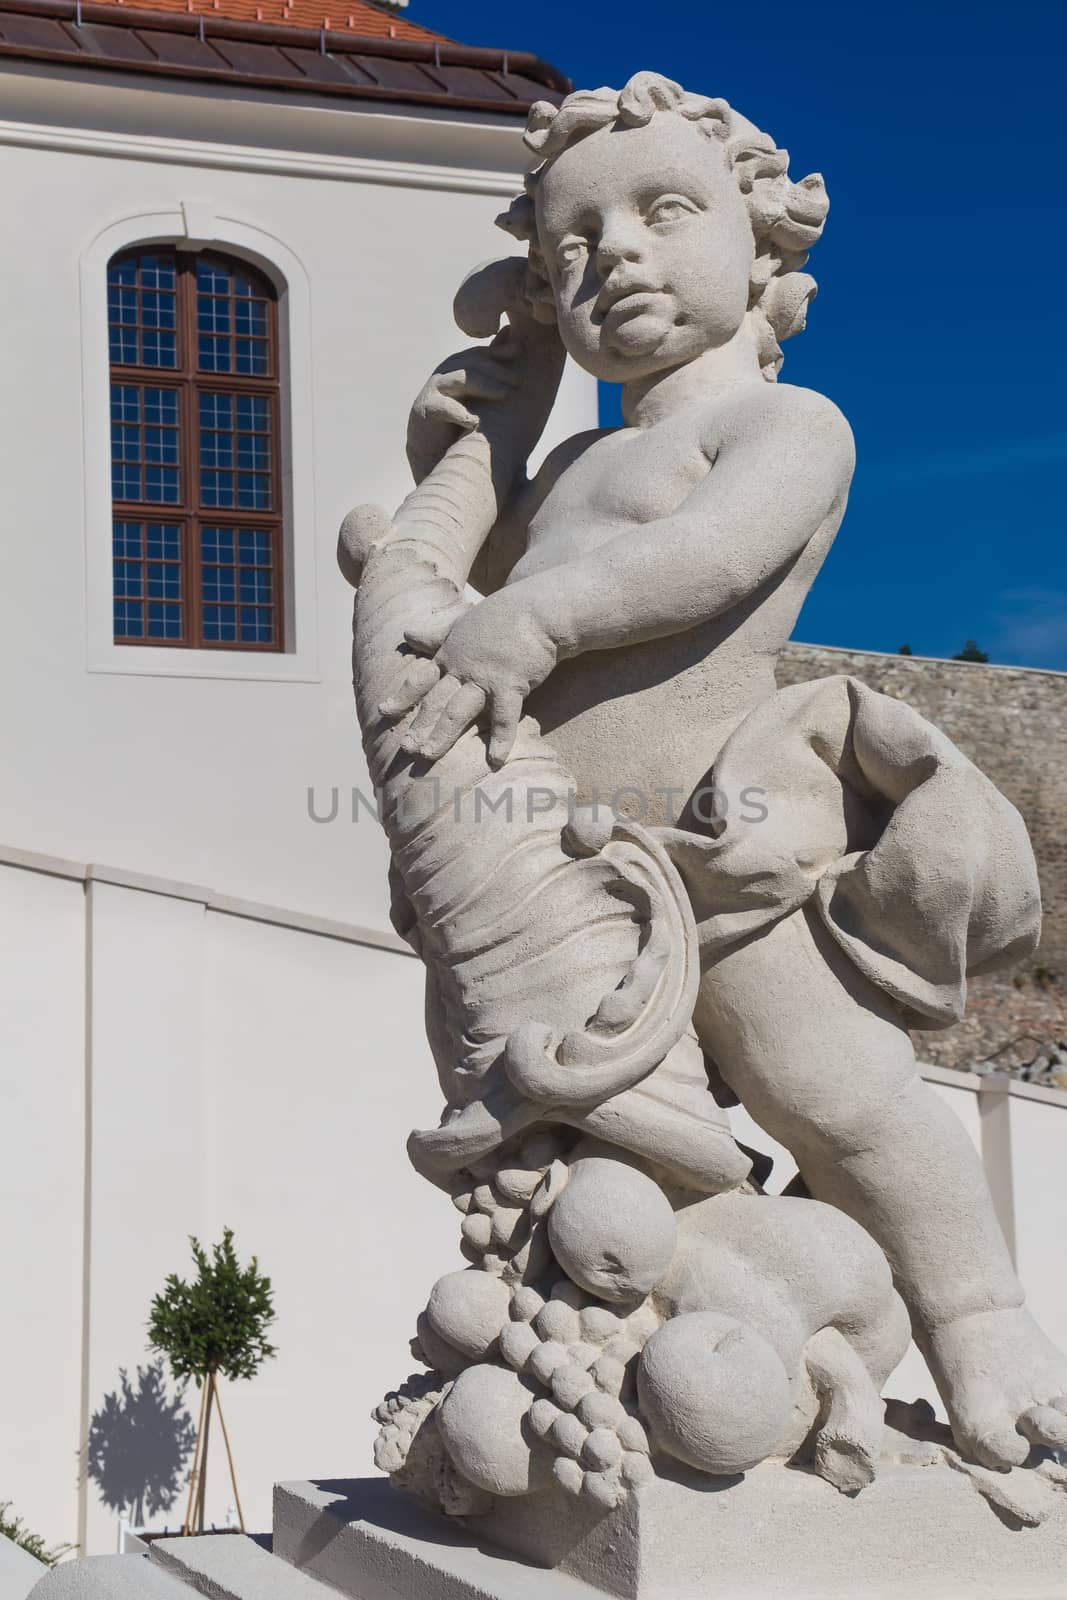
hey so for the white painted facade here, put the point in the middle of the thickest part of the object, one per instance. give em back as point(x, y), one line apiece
point(169, 1068)
point(177, 1058)
point(178, 1061)
point(195, 765)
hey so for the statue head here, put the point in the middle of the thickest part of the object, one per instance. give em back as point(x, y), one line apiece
point(660, 222)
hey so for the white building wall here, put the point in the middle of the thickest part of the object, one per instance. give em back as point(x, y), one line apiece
point(210, 1070)
point(212, 1064)
point(42, 1147)
point(130, 756)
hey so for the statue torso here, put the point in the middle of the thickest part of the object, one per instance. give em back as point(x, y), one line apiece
point(653, 716)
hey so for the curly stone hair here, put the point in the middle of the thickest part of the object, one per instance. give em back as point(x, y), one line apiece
point(787, 218)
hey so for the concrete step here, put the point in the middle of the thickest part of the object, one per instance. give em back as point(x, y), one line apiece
point(110, 1578)
point(232, 1567)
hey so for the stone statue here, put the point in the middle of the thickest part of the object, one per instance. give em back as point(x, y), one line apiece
point(646, 884)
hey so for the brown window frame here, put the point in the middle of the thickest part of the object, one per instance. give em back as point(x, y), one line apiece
point(188, 512)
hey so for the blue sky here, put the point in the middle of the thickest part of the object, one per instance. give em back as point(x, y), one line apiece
point(939, 326)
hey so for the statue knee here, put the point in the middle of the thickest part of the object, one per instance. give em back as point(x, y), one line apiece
point(828, 1110)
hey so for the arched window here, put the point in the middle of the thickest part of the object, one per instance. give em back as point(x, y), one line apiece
point(195, 479)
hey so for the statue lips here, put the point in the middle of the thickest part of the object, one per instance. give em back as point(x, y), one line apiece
point(627, 302)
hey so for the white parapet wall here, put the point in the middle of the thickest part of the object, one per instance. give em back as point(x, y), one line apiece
point(19, 1571)
point(174, 1062)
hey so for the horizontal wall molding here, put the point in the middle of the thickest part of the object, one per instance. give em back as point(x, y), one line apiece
point(242, 158)
point(222, 904)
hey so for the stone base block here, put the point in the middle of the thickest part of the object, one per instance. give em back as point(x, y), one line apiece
point(372, 1543)
point(777, 1534)
point(918, 1533)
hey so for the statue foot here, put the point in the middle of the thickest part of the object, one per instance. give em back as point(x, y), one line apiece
point(1004, 1385)
point(851, 1429)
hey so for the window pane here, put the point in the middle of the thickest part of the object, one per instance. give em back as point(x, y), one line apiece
point(164, 621)
point(212, 276)
point(250, 318)
point(228, 302)
point(148, 593)
point(158, 272)
point(143, 311)
point(127, 580)
point(145, 458)
point(234, 430)
point(123, 346)
point(252, 357)
point(214, 353)
point(161, 485)
point(164, 541)
point(212, 314)
point(126, 539)
point(237, 566)
point(256, 585)
point(129, 620)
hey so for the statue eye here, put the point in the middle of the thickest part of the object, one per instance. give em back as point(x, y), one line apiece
point(571, 249)
point(670, 208)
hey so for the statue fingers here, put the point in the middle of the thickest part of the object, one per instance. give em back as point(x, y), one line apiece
point(447, 408)
point(424, 721)
point(484, 379)
point(421, 677)
point(432, 632)
point(464, 708)
point(505, 714)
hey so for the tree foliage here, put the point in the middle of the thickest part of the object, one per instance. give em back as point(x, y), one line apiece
point(13, 1528)
point(216, 1323)
point(970, 652)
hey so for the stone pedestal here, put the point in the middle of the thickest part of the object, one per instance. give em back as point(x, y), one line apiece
point(777, 1534)
point(918, 1533)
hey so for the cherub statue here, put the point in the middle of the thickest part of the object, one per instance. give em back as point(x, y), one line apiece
point(589, 976)
point(637, 591)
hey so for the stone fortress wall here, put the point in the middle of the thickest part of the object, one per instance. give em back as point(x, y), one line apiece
point(1012, 722)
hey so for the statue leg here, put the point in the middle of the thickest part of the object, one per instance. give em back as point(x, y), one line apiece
point(821, 1059)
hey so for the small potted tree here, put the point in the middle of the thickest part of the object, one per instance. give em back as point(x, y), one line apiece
point(213, 1326)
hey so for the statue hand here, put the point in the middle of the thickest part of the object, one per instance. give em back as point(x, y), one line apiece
point(486, 656)
point(441, 413)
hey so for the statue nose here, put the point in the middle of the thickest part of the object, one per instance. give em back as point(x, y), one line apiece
point(611, 251)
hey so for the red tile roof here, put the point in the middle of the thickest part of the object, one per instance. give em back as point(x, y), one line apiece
point(349, 16)
point(195, 39)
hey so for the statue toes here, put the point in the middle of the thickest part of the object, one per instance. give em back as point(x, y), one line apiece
point(849, 1464)
point(1000, 1447)
point(1045, 1425)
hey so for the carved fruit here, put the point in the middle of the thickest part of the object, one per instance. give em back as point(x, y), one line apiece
point(714, 1394)
point(481, 1423)
point(612, 1230)
point(468, 1309)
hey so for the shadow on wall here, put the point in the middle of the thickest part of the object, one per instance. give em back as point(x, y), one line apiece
point(139, 1442)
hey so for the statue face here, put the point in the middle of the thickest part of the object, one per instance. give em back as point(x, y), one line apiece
point(648, 245)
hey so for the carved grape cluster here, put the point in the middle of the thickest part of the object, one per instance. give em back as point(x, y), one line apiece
point(585, 1354)
point(495, 1197)
point(400, 1416)
point(410, 1450)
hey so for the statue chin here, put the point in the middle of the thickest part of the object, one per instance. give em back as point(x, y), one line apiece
point(640, 335)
